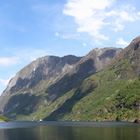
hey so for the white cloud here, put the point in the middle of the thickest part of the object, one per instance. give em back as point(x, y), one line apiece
point(122, 42)
point(88, 15)
point(84, 44)
point(67, 35)
point(57, 34)
point(4, 82)
point(92, 16)
point(8, 61)
point(70, 36)
point(122, 16)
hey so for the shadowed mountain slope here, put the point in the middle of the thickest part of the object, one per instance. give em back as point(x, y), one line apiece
point(53, 83)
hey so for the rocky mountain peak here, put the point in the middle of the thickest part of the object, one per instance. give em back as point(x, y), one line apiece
point(135, 44)
point(50, 77)
point(103, 56)
point(44, 68)
point(132, 51)
point(51, 87)
point(104, 52)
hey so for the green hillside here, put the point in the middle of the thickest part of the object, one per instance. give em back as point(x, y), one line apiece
point(3, 119)
point(89, 91)
point(111, 100)
point(111, 94)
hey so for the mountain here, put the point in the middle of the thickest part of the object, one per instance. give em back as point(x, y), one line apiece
point(42, 87)
point(46, 68)
point(35, 77)
point(104, 85)
point(117, 92)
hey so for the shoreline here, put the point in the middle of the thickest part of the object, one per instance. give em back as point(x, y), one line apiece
point(32, 124)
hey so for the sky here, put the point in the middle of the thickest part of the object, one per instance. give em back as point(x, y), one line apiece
point(34, 28)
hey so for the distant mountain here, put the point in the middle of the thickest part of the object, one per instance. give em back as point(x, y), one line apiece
point(49, 83)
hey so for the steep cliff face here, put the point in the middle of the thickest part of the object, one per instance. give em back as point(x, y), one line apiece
point(93, 62)
point(102, 57)
point(103, 85)
point(116, 92)
point(127, 62)
point(132, 53)
point(49, 78)
point(35, 77)
point(46, 68)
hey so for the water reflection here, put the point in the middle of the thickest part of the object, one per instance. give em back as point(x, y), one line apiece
point(72, 133)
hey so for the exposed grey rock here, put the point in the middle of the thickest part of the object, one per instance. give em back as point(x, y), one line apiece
point(45, 68)
point(51, 77)
point(93, 62)
point(48, 69)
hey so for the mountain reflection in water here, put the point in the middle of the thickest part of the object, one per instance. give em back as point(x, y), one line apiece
point(52, 132)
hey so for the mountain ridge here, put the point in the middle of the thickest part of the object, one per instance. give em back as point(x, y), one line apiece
point(103, 85)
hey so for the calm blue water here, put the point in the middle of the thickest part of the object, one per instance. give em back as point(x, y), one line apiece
point(69, 131)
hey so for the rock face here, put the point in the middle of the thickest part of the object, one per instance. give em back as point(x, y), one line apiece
point(129, 60)
point(108, 90)
point(93, 62)
point(46, 68)
point(132, 53)
point(51, 77)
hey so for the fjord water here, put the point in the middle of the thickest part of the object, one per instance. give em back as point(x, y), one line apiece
point(69, 131)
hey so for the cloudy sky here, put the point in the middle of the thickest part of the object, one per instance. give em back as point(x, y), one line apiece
point(33, 28)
